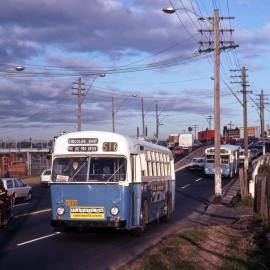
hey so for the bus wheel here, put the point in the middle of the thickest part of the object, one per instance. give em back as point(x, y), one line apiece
point(144, 215)
point(168, 211)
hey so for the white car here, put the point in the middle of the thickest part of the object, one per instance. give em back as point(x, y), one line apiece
point(45, 177)
point(197, 163)
point(18, 188)
point(242, 156)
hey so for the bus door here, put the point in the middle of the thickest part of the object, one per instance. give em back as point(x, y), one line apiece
point(135, 189)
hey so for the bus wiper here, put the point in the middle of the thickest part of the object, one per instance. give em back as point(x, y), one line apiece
point(114, 173)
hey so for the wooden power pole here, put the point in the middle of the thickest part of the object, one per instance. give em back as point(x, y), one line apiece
point(79, 95)
point(217, 46)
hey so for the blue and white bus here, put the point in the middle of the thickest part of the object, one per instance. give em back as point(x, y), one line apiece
point(229, 159)
point(104, 179)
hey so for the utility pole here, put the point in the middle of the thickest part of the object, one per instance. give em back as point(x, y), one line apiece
point(262, 103)
point(217, 47)
point(143, 126)
point(79, 95)
point(195, 130)
point(209, 120)
point(157, 122)
point(244, 91)
point(230, 124)
point(113, 115)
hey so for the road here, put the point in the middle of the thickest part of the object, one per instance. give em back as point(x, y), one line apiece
point(30, 242)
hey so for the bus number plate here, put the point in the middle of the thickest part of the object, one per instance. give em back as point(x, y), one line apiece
point(71, 202)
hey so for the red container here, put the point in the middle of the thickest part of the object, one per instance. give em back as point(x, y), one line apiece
point(206, 136)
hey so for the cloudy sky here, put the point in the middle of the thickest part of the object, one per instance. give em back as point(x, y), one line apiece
point(143, 52)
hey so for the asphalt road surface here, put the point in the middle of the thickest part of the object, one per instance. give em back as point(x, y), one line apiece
point(30, 242)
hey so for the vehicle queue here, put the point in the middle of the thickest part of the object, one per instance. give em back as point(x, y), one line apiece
point(135, 178)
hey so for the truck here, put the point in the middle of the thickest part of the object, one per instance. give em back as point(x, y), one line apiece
point(186, 140)
point(173, 140)
point(206, 136)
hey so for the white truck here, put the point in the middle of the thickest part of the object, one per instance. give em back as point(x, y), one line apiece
point(186, 140)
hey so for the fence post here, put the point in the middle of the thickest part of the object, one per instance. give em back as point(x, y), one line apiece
point(257, 191)
point(268, 200)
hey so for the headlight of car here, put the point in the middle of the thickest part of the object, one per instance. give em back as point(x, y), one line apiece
point(114, 211)
point(60, 211)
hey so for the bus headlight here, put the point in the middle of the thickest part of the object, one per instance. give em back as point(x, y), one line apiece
point(60, 211)
point(114, 211)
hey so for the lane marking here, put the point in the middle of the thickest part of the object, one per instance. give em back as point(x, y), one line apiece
point(199, 179)
point(33, 213)
point(181, 168)
point(37, 239)
point(21, 204)
point(185, 186)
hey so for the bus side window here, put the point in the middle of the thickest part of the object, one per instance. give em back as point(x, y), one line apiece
point(143, 165)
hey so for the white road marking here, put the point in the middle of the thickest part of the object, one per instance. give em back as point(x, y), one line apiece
point(33, 213)
point(199, 179)
point(21, 204)
point(37, 239)
point(185, 186)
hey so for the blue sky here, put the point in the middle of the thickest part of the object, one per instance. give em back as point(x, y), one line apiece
point(144, 53)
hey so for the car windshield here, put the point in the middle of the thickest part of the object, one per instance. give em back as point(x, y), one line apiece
point(97, 169)
point(47, 172)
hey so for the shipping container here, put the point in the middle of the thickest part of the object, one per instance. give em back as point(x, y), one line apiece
point(206, 136)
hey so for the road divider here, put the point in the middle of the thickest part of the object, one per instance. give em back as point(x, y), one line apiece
point(199, 179)
point(37, 239)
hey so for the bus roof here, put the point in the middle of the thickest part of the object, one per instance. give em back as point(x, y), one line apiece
point(227, 147)
point(125, 144)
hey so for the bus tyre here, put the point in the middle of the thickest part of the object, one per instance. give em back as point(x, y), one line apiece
point(168, 209)
point(144, 220)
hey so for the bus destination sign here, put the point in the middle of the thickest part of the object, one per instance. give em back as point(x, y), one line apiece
point(82, 148)
point(83, 141)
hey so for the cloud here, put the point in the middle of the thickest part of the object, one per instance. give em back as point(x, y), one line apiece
point(106, 26)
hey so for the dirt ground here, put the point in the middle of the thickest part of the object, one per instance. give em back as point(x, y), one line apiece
point(207, 247)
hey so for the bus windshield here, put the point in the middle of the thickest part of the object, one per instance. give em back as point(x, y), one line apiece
point(82, 169)
point(225, 159)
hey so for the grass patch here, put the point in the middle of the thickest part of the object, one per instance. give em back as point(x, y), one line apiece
point(209, 248)
point(237, 201)
point(194, 237)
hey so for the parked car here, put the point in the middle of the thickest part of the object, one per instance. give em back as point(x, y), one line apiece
point(258, 147)
point(197, 164)
point(18, 188)
point(45, 177)
point(254, 152)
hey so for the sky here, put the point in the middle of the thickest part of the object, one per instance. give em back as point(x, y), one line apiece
point(143, 53)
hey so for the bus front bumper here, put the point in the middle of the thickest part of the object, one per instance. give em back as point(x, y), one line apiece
point(117, 224)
